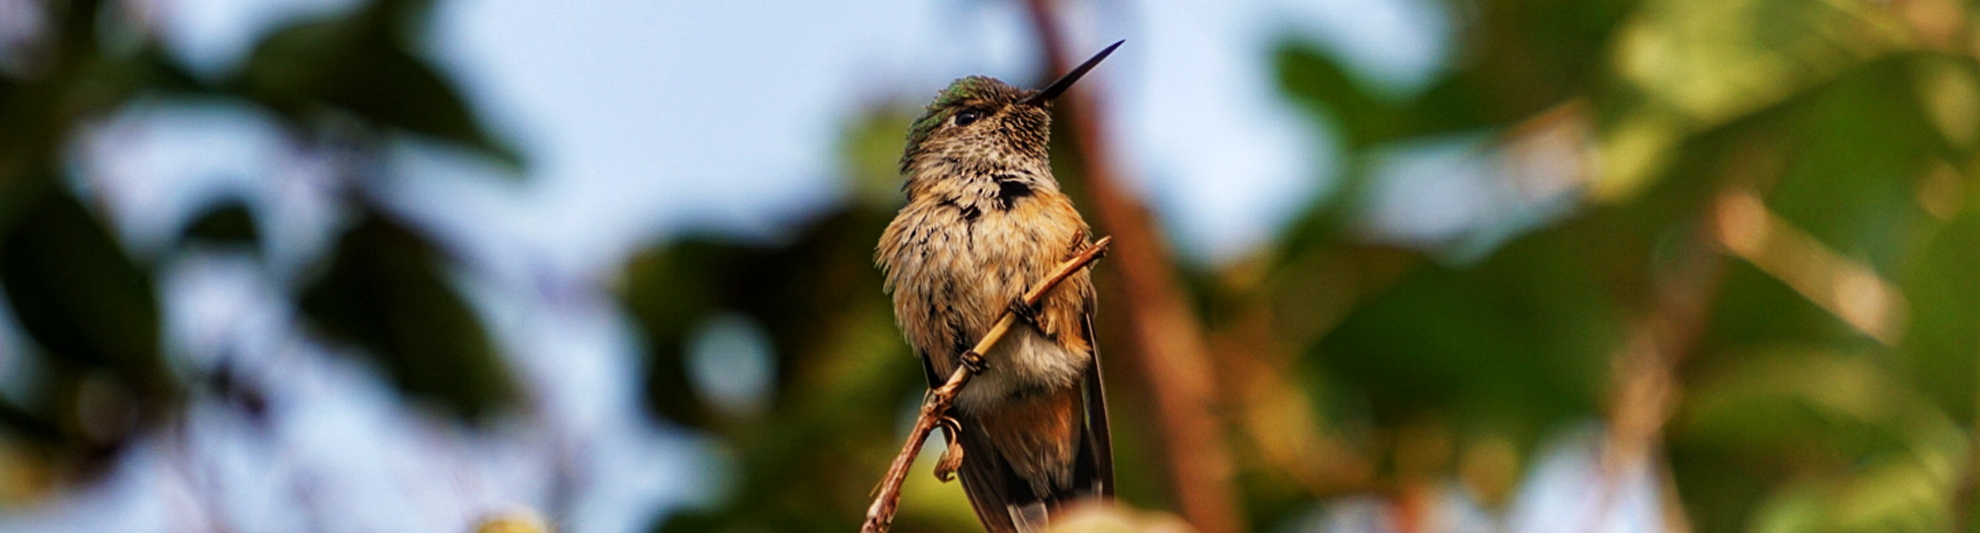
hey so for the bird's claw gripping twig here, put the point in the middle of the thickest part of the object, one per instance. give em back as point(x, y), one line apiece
point(1026, 312)
point(974, 362)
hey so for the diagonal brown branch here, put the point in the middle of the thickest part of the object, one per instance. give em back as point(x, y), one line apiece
point(1167, 339)
point(935, 407)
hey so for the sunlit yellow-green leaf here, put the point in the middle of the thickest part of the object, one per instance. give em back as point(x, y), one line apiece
point(1695, 64)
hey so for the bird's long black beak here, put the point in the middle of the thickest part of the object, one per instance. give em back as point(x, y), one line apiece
point(1065, 82)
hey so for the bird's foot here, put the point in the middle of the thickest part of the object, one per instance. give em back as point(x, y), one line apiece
point(1025, 311)
point(951, 460)
point(974, 362)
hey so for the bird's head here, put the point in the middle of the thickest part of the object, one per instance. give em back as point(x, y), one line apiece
point(980, 118)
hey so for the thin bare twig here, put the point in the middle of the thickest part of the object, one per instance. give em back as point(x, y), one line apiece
point(935, 408)
point(1647, 367)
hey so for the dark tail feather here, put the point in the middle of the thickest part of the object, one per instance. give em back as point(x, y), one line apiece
point(1095, 466)
point(1005, 503)
point(988, 481)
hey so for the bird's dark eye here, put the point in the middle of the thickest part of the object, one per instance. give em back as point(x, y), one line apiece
point(967, 116)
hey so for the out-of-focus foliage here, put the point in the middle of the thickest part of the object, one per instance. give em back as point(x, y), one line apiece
point(384, 291)
point(362, 64)
point(93, 311)
point(90, 310)
point(1827, 382)
point(1770, 203)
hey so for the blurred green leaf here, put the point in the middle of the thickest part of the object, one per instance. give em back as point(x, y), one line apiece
point(1315, 79)
point(1690, 65)
point(1858, 157)
point(1806, 439)
point(1835, 407)
point(1757, 309)
point(1712, 60)
point(359, 64)
point(80, 297)
point(385, 292)
point(1891, 496)
point(92, 315)
point(1520, 340)
point(1948, 89)
point(1943, 338)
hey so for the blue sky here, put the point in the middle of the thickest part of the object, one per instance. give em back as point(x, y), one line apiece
point(646, 118)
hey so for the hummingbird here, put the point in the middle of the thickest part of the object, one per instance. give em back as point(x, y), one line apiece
point(984, 220)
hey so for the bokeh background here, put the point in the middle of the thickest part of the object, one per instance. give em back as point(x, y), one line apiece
point(1406, 266)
